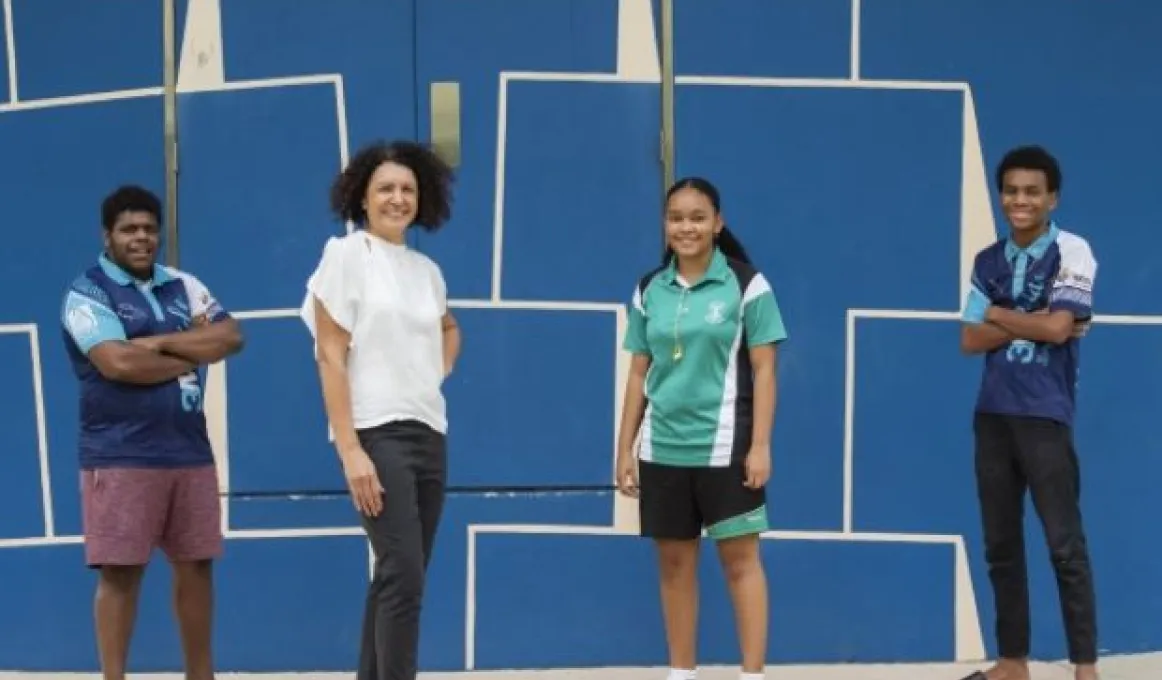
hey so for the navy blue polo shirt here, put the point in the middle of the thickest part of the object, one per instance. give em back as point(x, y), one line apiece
point(126, 425)
point(1055, 272)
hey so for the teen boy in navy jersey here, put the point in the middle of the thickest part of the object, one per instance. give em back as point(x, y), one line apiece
point(1030, 302)
point(136, 333)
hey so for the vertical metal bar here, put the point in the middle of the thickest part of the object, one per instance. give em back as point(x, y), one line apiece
point(667, 45)
point(169, 67)
point(667, 136)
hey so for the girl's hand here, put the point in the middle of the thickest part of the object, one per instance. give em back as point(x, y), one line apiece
point(758, 467)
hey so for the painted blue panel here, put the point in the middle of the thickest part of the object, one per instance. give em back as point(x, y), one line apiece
point(277, 424)
point(442, 620)
point(832, 601)
point(369, 42)
point(1110, 97)
point(253, 583)
point(590, 196)
point(531, 402)
point(934, 470)
point(52, 605)
point(492, 442)
point(763, 38)
point(261, 586)
point(470, 42)
point(21, 509)
point(830, 235)
point(912, 442)
point(1117, 439)
point(118, 43)
point(255, 247)
point(90, 149)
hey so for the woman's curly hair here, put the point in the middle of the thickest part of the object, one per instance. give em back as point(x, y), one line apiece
point(433, 176)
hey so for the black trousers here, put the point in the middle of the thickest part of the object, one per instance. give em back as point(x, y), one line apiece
point(1015, 454)
point(410, 459)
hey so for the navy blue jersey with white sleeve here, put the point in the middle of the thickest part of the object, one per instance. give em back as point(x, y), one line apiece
point(123, 424)
point(1055, 272)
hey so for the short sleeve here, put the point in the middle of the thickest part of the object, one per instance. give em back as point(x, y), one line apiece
point(336, 283)
point(202, 301)
point(1073, 285)
point(976, 303)
point(88, 317)
point(761, 315)
point(635, 330)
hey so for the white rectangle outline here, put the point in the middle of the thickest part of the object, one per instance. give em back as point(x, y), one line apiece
point(41, 427)
point(969, 641)
point(849, 378)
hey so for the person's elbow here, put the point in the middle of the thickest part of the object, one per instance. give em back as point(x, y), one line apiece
point(233, 340)
point(970, 341)
point(331, 353)
point(117, 370)
point(639, 366)
point(112, 361)
point(967, 346)
point(762, 359)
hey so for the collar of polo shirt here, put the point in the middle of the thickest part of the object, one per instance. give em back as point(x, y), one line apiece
point(1036, 249)
point(718, 270)
point(124, 278)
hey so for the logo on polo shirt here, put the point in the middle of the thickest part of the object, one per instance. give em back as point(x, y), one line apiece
point(1068, 277)
point(716, 312)
point(83, 321)
point(130, 312)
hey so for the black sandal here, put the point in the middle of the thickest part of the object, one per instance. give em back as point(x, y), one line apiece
point(978, 675)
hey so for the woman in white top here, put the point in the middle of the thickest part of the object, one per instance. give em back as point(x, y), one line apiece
point(384, 342)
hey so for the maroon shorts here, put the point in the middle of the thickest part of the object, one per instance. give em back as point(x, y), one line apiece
point(127, 512)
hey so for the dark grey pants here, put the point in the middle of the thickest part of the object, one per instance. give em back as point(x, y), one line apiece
point(1012, 455)
point(410, 459)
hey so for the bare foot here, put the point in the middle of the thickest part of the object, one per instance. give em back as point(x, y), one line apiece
point(1086, 671)
point(1010, 669)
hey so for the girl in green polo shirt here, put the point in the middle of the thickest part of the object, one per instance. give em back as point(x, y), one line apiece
point(703, 328)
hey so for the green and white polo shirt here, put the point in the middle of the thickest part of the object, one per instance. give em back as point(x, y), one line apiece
point(700, 388)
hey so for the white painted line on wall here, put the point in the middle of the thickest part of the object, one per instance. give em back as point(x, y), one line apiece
point(10, 50)
point(856, 18)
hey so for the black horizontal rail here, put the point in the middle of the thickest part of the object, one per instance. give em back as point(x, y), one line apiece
point(317, 494)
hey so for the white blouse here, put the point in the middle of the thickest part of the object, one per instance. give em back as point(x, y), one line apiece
point(391, 299)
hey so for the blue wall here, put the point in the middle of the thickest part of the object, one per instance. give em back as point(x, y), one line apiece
point(828, 186)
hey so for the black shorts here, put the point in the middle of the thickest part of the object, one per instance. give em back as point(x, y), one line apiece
point(678, 502)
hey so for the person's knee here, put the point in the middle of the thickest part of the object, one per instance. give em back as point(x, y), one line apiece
point(1005, 546)
point(400, 579)
point(119, 580)
point(1007, 554)
point(193, 572)
point(740, 557)
point(677, 560)
point(1067, 549)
